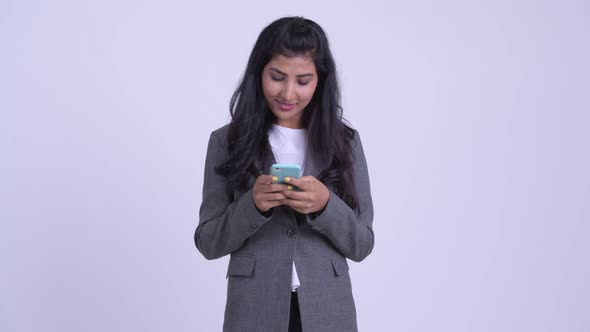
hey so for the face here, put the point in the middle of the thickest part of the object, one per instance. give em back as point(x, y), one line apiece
point(288, 84)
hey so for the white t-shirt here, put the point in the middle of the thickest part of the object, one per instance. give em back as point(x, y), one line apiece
point(288, 147)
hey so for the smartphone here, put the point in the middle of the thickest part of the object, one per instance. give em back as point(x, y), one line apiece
point(285, 170)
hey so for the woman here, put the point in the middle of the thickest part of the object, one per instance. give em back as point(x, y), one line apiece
point(288, 268)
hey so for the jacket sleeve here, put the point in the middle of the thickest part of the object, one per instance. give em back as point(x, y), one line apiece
point(350, 230)
point(224, 224)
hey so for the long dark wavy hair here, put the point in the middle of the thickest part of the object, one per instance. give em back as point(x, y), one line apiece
point(329, 138)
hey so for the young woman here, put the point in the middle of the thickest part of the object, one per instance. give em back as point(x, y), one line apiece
point(288, 246)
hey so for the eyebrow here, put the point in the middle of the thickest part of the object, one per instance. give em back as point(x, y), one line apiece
point(280, 72)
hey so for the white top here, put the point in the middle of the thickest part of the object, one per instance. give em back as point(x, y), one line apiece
point(288, 146)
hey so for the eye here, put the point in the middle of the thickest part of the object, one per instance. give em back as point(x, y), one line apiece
point(276, 78)
point(303, 83)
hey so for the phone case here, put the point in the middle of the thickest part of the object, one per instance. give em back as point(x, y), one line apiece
point(283, 170)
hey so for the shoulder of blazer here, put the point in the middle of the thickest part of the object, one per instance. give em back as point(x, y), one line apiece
point(221, 135)
point(355, 139)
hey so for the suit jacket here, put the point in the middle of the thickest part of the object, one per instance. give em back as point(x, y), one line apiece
point(263, 250)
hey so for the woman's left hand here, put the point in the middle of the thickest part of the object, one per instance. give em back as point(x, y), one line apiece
point(312, 197)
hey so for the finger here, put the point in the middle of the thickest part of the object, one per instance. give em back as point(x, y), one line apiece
point(270, 204)
point(298, 205)
point(277, 187)
point(308, 178)
point(272, 187)
point(296, 195)
point(264, 179)
point(293, 181)
point(308, 182)
point(269, 197)
point(268, 187)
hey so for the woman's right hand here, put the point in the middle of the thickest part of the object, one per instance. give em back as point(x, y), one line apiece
point(267, 194)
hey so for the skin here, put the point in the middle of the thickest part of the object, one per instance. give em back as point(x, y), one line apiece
point(291, 81)
point(312, 197)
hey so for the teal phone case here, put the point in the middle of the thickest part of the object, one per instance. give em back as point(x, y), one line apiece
point(283, 170)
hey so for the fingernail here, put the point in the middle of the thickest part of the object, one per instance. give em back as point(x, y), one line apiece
point(287, 179)
point(274, 178)
point(290, 187)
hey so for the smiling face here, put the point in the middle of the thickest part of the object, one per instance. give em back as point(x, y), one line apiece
point(288, 84)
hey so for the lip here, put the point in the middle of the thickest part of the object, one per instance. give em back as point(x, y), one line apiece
point(284, 106)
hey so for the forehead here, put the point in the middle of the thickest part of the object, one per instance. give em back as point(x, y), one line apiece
point(299, 64)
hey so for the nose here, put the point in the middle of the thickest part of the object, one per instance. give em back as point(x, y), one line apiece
point(288, 93)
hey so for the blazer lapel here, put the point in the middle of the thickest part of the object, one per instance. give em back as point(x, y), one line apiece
point(310, 167)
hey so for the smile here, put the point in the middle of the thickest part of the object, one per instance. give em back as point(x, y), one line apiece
point(285, 106)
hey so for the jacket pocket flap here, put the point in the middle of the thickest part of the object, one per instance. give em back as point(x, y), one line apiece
point(340, 265)
point(240, 265)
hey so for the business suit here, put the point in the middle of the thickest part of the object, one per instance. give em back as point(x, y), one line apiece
point(263, 249)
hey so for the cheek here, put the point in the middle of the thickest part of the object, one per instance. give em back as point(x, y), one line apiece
point(268, 88)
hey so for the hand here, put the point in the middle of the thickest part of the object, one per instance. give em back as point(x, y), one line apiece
point(267, 194)
point(313, 196)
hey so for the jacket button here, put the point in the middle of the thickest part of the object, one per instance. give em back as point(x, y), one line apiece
point(291, 232)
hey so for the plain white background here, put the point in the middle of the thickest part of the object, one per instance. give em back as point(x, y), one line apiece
point(473, 114)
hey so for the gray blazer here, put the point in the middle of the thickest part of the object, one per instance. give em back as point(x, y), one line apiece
point(263, 250)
